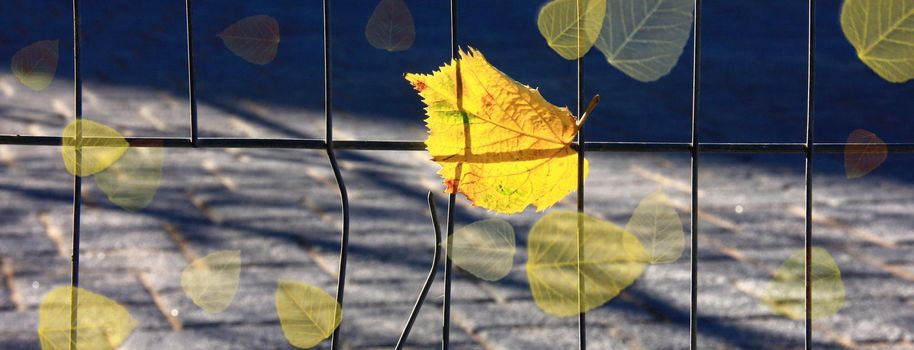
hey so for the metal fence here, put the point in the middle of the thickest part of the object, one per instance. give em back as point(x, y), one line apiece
point(694, 148)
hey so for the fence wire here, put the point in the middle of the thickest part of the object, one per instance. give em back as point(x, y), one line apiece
point(694, 148)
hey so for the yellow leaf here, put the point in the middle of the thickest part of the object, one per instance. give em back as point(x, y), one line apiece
point(786, 294)
point(132, 181)
point(484, 248)
point(307, 314)
point(90, 147)
point(610, 260)
point(36, 64)
point(864, 153)
point(212, 281)
point(644, 38)
point(255, 39)
point(657, 226)
point(571, 27)
point(101, 323)
point(882, 32)
point(391, 26)
point(498, 142)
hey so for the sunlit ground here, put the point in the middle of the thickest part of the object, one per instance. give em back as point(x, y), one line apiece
point(280, 209)
point(211, 248)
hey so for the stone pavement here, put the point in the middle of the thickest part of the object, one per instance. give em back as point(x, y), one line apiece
point(281, 209)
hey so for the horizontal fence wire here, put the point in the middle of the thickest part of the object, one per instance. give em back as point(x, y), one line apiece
point(381, 145)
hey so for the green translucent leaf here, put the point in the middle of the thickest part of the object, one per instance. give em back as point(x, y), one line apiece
point(307, 314)
point(610, 260)
point(35, 65)
point(484, 248)
point(882, 32)
point(101, 323)
point(132, 181)
point(255, 39)
point(570, 27)
point(391, 26)
point(658, 227)
point(212, 281)
point(90, 147)
point(786, 294)
point(644, 38)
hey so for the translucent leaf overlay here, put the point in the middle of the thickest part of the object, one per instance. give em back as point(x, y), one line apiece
point(659, 229)
point(498, 142)
point(864, 153)
point(89, 147)
point(307, 314)
point(882, 33)
point(101, 323)
point(255, 39)
point(484, 248)
point(571, 27)
point(644, 38)
point(786, 294)
point(35, 65)
point(132, 181)
point(212, 281)
point(611, 259)
point(391, 26)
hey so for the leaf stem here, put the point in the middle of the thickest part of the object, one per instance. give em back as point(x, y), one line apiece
point(590, 107)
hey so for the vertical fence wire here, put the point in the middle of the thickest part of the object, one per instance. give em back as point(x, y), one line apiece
point(452, 197)
point(810, 118)
point(448, 273)
point(77, 181)
point(344, 196)
point(582, 317)
point(344, 241)
point(191, 77)
point(693, 149)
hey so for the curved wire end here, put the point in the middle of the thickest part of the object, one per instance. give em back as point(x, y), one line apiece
point(590, 107)
point(431, 273)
